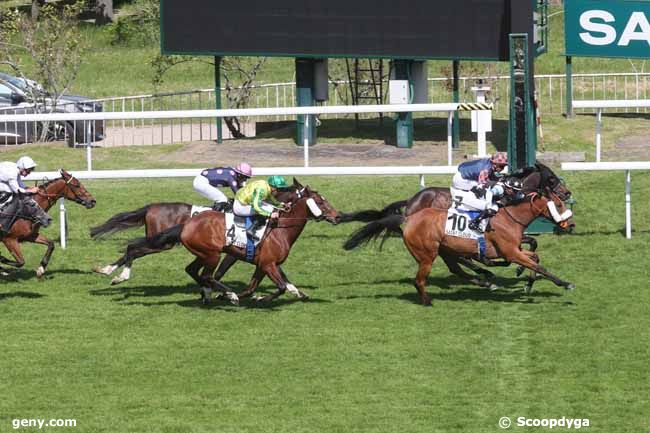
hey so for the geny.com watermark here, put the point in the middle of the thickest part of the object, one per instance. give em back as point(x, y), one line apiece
point(564, 422)
point(40, 423)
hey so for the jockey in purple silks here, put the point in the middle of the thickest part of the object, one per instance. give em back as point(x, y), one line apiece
point(210, 180)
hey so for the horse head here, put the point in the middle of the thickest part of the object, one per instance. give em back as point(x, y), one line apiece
point(539, 178)
point(317, 206)
point(30, 210)
point(555, 210)
point(75, 191)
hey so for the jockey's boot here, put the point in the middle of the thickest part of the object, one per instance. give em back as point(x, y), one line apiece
point(258, 222)
point(475, 224)
point(220, 206)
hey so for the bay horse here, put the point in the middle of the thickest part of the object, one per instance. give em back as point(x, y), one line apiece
point(424, 235)
point(66, 186)
point(155, 218)
point(205, 237)
point(440, 197)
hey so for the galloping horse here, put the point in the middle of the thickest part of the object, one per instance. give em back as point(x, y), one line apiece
point(424, 236)
point(533, 178)
point(205, 236)
point(155, 218)
point(66, 186)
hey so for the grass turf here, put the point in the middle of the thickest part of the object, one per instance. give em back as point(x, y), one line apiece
point(360, 356)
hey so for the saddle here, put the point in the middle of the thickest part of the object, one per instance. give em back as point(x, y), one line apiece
point(8, 209)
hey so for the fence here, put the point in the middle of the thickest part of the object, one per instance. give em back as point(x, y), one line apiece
point(628, 167)
point(551, 90)
point(599, 106)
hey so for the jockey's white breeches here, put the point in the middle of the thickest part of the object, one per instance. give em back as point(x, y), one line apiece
point(202, 185)
point(241, 209)
point(464, 198)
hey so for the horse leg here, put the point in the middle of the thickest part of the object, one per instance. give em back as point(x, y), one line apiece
point(127, 261)
point(109, 269)
point(532, 276)
point(205, 288)
point(40, 239)
point(532, 246)
point(224, 266)
point(526, 259)
point(14, 248)
point(452, 263)
point(257, 277)
point(273, 271)
point(293, 289)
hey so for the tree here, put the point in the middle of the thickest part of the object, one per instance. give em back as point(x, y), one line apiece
point(238, 73)
point(54, 45)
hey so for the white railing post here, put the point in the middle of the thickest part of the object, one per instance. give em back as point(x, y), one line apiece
point(450, 122)
point(628, 205)
point(305, 137)
point(62, 222)
point(599, 125)
point(89, 147)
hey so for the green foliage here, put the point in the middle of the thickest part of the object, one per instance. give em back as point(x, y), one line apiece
point(140, 27)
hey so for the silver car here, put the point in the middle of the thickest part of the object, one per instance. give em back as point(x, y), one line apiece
point(16, 98)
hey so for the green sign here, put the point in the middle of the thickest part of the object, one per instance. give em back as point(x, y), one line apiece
point(607, 28)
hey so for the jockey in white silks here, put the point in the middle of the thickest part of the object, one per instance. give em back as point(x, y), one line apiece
point(470, 189)
point(11, 175)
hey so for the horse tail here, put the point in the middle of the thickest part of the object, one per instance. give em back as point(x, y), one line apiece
point(386, 227)
point(119, 222)
point(163, 240)
point(370, 215)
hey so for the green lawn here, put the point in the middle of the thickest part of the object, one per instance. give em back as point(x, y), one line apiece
point(361, 356)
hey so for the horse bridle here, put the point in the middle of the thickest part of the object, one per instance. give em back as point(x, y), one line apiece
point(51, 198)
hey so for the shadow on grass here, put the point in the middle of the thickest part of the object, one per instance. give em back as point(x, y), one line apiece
point(510, 290)
point(123, 294)
point(20, 294)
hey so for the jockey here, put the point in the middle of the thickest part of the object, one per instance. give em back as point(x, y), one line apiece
point(210, 180)
point(513, 191)
point(256, 198)
point(471, 186)
point(11, 175)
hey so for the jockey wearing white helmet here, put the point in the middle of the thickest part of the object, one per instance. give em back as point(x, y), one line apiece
point(11, 176)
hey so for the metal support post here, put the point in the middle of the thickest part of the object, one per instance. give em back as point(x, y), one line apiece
point(217, 96)
point(456, 99)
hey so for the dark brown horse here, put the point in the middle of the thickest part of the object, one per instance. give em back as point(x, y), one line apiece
point(155, 218)
point(204, 236)
point(440, 198)
point(66, 186)
point(424, 235)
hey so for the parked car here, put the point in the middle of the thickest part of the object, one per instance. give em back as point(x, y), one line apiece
point(16, 98)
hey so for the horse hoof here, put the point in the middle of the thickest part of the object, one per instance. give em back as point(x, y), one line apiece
point(570, 286)
point(40, 272)
point(304, 297)
point(520, 270)
point(492, 287)
point(115, 281)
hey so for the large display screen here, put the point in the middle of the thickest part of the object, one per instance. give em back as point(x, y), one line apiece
point(413, 29)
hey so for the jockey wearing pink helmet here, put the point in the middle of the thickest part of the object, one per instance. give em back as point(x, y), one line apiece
point(208, 182)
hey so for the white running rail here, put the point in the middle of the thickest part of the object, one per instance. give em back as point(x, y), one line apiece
point(599, 106)
point(628, 167)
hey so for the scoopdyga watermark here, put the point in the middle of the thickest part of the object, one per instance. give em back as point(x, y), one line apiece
point(563, 422)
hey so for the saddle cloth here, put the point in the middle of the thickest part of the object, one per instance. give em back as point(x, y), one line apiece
point(235, 227)
point(458, 222)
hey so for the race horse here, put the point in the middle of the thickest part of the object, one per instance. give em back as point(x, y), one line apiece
point(66, 186)
point(155, 218)
point(440, 197)
point(23, 209)
point(205, 237)
point(423, 233)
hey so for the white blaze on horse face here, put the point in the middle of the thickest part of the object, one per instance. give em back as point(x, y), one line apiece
point(556, 215)
point(313, 207)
